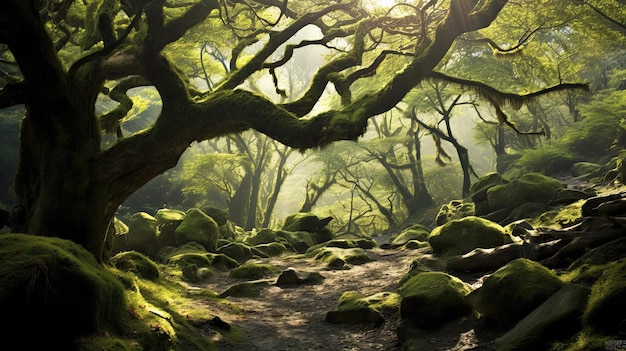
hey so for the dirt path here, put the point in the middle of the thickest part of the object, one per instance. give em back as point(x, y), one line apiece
point(294, 318)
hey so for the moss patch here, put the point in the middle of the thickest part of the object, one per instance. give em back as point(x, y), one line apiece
point(337, 258)
point(252, 270)
point(136, 263)
point(514, 290)
point(463, 235)
point(607, 304)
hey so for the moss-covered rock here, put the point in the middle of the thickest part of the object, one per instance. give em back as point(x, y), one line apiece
point(247, 289)
point(455, 209)
point(463, 235)
point(168, 220)
point(480, 186)
point(337, 258)
point(292, 277)
point(304, 221)
point(222, 262)
point(299, 241)
point(414, 232)
point(514, 290)
point(263, 236)
point(530, 187)
point(607, 304)
point(198, 227)
point(365, 244)
point(431, 299)
point(238, 251)
point(271, 249)
point(253, 271)
point(556, 318)
point(136, 263)
point(356, 308)
point(56, 288)
point(142, 233)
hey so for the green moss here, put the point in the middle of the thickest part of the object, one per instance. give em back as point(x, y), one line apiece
point(607, 302)
point(199, 227)
point(252, 270)
point(463, 235)
point(565, 216)
point(430, 299)
point(335, 257)
point(263, 236)
point(56, 287)
point(415, 232)
point(238, 251)
point(355, 307)
point(530, 187)
point(272, 249)
point(136, 263)
point(514, 290)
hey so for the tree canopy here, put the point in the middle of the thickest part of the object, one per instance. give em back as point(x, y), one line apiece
point(203, 58)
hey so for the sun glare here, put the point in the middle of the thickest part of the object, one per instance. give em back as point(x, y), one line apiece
point(385, 4)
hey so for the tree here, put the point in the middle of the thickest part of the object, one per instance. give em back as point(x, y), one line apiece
point(70, 186)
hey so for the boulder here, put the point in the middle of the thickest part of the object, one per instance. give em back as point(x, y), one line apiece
point(238, 251)
point(251, 288)
point(557, 318)
point(198, 227)
point(480, 186)
point(463, 235)
point(455, 209)
point(513, 291)
point(304, 221)
point(291, 277)
point(142, 233)
point(431, 299)
point(530, 187)
point(607, 303)
point(414, 232)
point(337, 258)
point(263, 236)
point(136, 263)
point(356, 308)
point(365, 244)
point(167, 221)
point(299, 241)
point(271, 249)
point(253, 271)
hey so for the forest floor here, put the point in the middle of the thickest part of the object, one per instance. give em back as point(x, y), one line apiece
point(293, 318)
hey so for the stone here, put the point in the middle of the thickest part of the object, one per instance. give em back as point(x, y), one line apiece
point(142, 233)
point(167, 221)
point(557, 318)
point(136, 263)
point(513, 291)
point(463, 235)
point(414, 232)
point(530, 187)
point(291, 277)
point(199, 227)
point(253, 271)
point(247, 289)
point(356, 308)
point(238, 251)
point(272, 249)
point(607, 302)
point(337, 258)
point(263, 236)
point(299, 241)
point(431, 299)
point(455, 209)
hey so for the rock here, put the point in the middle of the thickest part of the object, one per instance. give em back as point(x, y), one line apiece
point(219, 216)
point(222, 262)
point(365, 244)
point(263, 236)
point(431, 299)
point(253, 270)
point(485, 259)
point(247, 289)
point(461, 236)
point(198, 227)
point(337, 258)
point(530, 187)
point(305, 221)
point(514, 290)
point(455, 209)
point(557, 318)
point(480, 186)
point(136, 263)
point(167, 222)
point(568, 196)
point(291, 276)
point(603, 254)
point(356, 308)
point(414, 245)
point(142, 233)
point(607, 303)
point(518, 228)
point(525, 211)
point(300, 241)
point(414, 232)
point(271, 249)
point(238, 251)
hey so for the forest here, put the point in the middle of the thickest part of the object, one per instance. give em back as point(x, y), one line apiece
point(313, 175)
